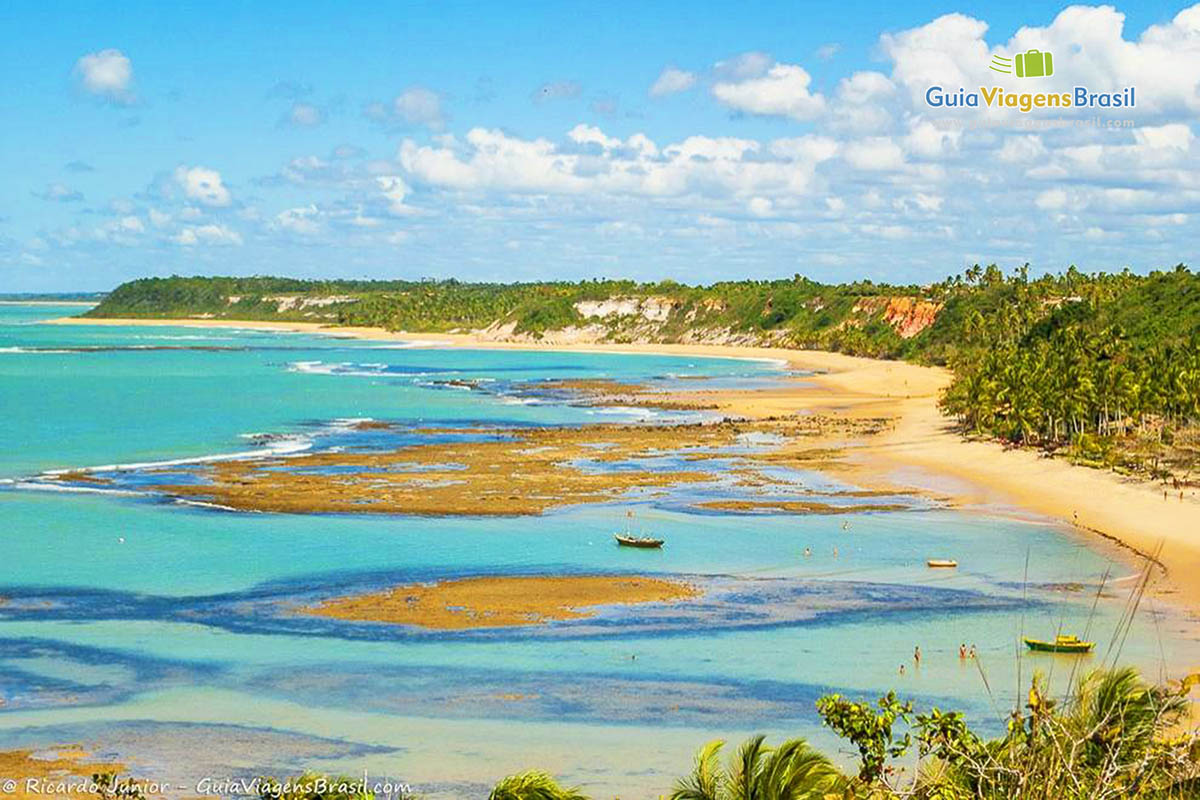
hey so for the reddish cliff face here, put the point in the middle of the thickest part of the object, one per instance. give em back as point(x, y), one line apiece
point(908, 316)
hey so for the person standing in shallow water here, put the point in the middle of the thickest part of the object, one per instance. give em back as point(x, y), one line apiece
point(917, 655)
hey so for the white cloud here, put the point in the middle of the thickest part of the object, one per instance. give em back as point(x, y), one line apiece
point(304, 221)
point(719, 168)
point(420, 106)
point(1089, 48)
point(415, 106)
point(672, 80)
point(783, 92)
point(1176, 135)
point(1051, 200)
point(741, 67)
point(1021, 149)
point(305, 115)
point(394, 190)
point(557, 90)
point(827, 51)
point(590, 134)
point(60, 193)
point(949, 51)
point(761, 206)
point(203, 185)
point(866, 86)
point(874, 153)
point(809, 148)
point(931, 203)
point(107, 74)
point(190, 236)
point(931, 141)
point(131, 224)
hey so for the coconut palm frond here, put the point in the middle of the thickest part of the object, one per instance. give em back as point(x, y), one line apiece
point(746, 767)
point(533, 785)
point(707, 779)
point(794, 771)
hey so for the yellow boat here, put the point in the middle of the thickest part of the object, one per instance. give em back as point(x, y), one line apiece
point(946, 563)
point(1061, 644)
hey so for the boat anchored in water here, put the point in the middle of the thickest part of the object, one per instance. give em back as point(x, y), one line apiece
point(627, 539)
point(1061, 644)
point(943, 563)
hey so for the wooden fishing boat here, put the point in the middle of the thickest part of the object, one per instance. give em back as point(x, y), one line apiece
point(627, 539)
point(637, 541)
point(1061, 644)
point(944, 563)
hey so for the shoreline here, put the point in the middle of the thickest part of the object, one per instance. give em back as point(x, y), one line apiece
point(921, 450)
point(80, 303)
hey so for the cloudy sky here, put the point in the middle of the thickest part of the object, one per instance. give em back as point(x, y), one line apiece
point(522, 141)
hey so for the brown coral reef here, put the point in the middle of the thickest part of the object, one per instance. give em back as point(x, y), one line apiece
point(518, 470)
point(505, 601)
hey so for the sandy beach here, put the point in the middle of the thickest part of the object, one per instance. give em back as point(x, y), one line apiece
point(921, 450)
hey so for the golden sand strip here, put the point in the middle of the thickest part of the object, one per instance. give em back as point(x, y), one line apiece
point(922, 441)
point(495, 602)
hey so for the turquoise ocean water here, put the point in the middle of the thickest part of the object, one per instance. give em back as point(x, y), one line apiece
point(152, 630)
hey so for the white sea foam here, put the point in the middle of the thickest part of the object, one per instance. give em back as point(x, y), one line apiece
point(283, 445)
point(415, 344)
point(353, 369)
point(202, 504)
point(39, 486)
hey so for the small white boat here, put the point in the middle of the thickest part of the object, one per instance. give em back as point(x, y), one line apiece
point(941, 563)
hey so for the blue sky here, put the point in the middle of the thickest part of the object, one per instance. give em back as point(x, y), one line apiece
point(538, 140)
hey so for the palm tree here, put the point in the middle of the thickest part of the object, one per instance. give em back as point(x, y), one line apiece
point(791, 771)
point(533, 785)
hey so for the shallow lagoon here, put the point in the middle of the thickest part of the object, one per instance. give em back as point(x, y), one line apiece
point(156, 646)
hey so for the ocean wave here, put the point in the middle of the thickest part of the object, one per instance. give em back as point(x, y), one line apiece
point(183, 501)
point(282, 445)
point(36, 350)
point(40, 486)
point(361, 370)
point(415, 344)
point(522, 401)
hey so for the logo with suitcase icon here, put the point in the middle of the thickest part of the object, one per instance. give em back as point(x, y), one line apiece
point(1030, 64)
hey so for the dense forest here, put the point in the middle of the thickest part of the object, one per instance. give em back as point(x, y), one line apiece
point(1102, 367)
